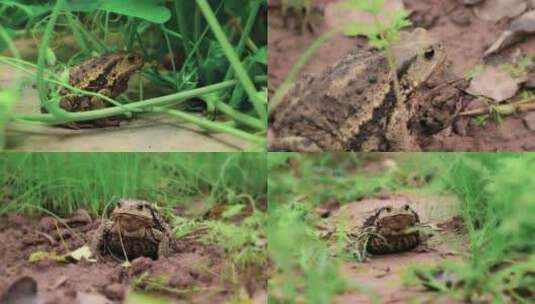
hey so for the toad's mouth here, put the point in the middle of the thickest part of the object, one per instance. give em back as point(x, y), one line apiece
point(397, 224)
point(129, 221)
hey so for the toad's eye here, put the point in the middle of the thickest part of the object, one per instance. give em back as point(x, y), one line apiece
point(119, 205)
point(131, 58)
point(388, 209)
point(429, 54)
point(140, 207)
point(407, 207)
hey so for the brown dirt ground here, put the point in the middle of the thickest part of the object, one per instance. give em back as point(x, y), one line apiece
point(198, 271)
point(383, 275)
point(465, 45)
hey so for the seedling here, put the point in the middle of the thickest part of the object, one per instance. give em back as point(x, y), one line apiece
point(381, 35)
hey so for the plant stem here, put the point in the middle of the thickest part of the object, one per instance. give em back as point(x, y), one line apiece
point(286, 84)
point(240, 117)
point(245, 34)
point(241, 73)
point(401, 109)
point(158, 101)
point(212, 126)
point(182, 26)
point(255, 7)
point(52, 108)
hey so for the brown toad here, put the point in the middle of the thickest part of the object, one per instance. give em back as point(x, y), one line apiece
point(353, 106)
point(135, 229)
point(392, 230)
point(107, 75)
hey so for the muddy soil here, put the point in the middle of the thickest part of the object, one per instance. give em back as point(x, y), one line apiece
point(465, 36)
point(194, 272)
point(383, 274)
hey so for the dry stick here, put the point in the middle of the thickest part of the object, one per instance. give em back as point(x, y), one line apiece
point(522, 106)
point(57, 218)
point(447, 83)
point(47, 236)
point(122, 244)
point(61, 237)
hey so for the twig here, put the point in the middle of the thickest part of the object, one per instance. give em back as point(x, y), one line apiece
point(520, 106)
point(122, 244)
point(61, 237)
point(47, 236)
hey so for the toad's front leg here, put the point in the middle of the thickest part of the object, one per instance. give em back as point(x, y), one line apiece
point(294, 143)
point(397, 131)
point(163, 243)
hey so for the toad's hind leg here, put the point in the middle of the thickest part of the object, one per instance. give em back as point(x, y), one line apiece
point(294, 143)
point(98, 242)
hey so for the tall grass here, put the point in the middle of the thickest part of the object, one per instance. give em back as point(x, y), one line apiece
point(498, 209)
point(304, 271)
point(63, 182)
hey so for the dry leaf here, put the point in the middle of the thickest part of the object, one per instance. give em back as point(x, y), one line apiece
point(78, 254)
point(529, 121)
point(518, 29)
point(493, 83)
point(496, 10)
point(38, 256)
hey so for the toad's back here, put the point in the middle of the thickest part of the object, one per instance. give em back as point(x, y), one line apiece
point(327, 108)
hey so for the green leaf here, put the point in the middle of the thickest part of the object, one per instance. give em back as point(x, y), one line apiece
point(11, 33)
point(84, 5)
point(138, 298)
point(360, 29)
point(398, 19)
point(8, 99)
point(215, 65)
point(149, 10)
point(232, 211)
point(50, 57)
point(261, 56)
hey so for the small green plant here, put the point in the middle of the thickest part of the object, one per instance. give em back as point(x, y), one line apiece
point(381, 35)
point(481, 120)
point(303, 271)
point(471, 73)
point(9, 96)
point(497, 212)
point(519, 67)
